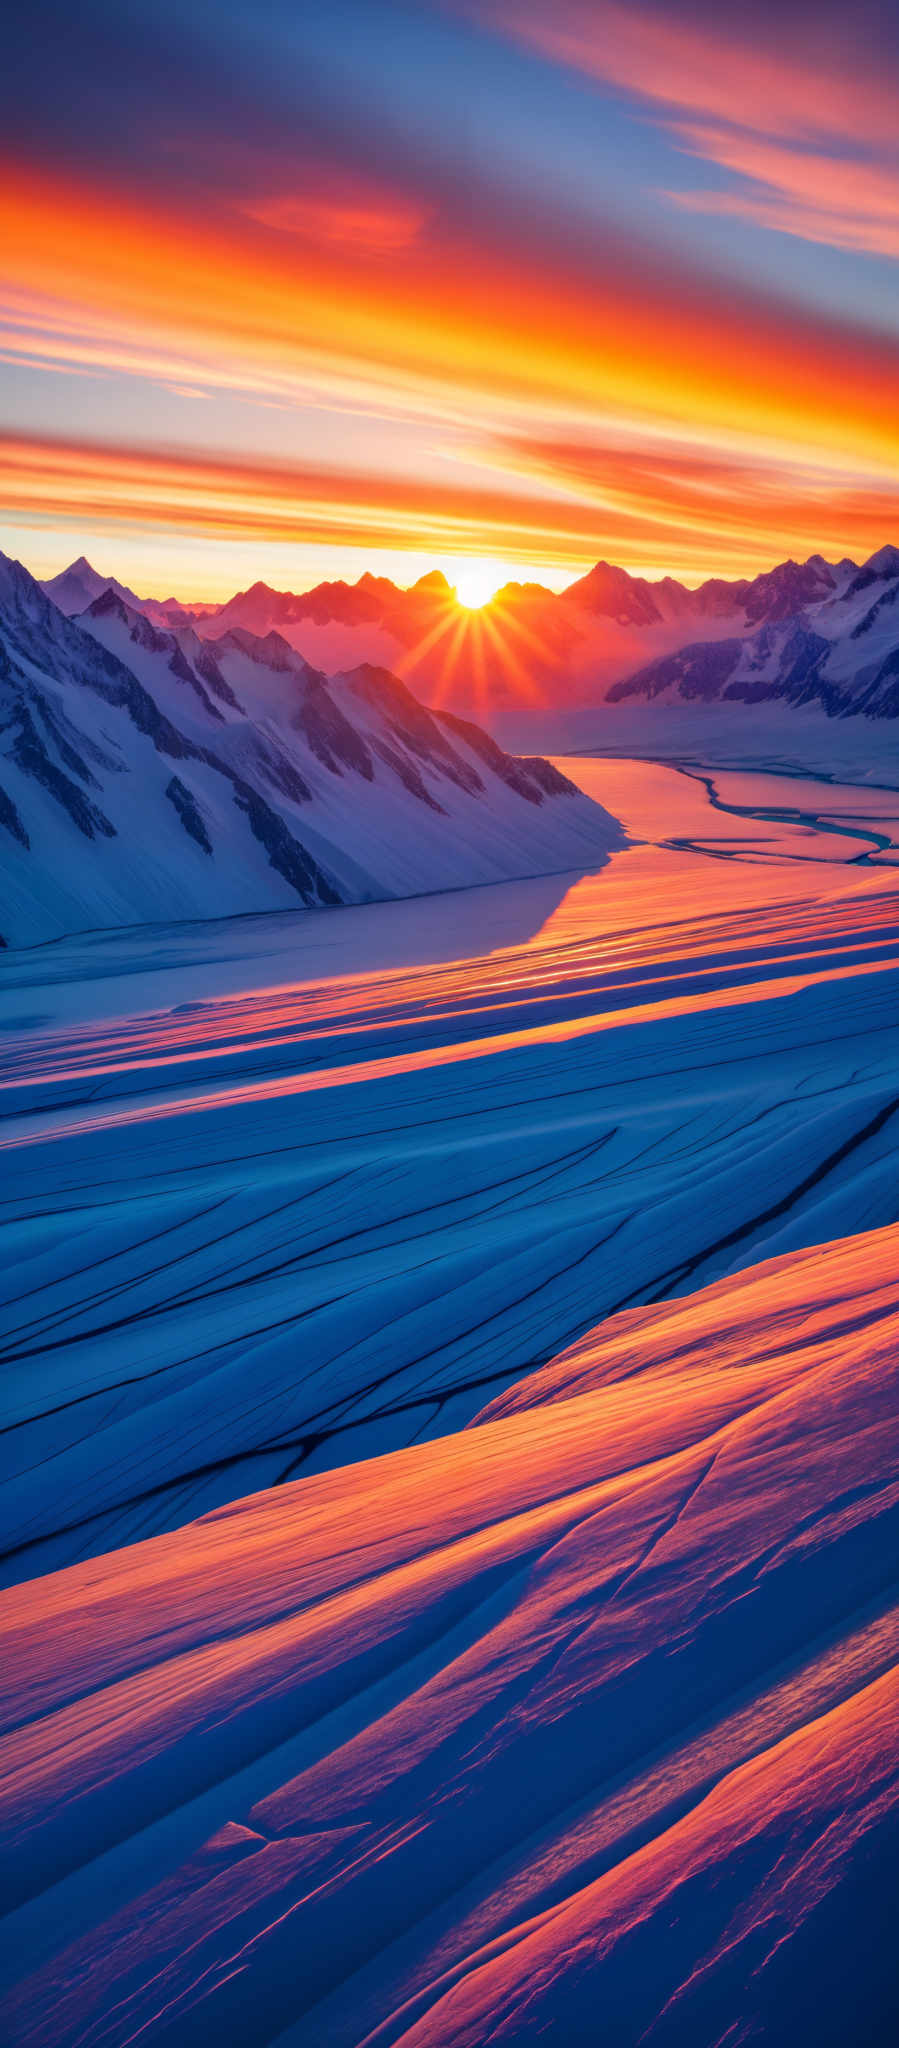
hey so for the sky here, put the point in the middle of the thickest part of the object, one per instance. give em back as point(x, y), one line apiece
point(309, 287)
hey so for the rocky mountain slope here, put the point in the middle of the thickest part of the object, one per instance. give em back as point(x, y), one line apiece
point(839, 650)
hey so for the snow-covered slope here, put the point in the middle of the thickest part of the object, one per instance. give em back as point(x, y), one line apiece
point(146, 775)
point(578, 1726)
point(834, 646)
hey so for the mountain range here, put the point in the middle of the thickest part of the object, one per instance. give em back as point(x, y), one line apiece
point(148, 774)
point(838, 650)
point(159, 759)
point(814, 632)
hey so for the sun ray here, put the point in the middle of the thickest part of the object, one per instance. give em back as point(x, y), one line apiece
point(447, 681)
point(447, 619)
point(511, 662)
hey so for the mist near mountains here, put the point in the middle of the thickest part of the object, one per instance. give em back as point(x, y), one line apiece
point(816, 633)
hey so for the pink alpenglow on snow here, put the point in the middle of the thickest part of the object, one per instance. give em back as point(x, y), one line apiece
point(578, 1724)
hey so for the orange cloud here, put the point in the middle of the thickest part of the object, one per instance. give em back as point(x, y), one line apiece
point(462, 329)
point(588, 383)
point(697, 503)
point(93, 483)
point(645, 505)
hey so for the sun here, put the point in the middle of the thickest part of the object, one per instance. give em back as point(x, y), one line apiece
point(476, 584)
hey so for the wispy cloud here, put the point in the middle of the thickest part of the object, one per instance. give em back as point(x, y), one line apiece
point(800, 110)
point(669, 500)
point(644, 503)
point(821, 198)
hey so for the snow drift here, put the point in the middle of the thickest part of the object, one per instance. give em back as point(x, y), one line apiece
point(580, 1724)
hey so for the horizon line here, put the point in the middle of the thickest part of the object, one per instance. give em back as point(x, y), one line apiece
point(652, 577)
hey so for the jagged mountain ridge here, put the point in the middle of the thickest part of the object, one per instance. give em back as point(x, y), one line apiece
point(839, 653)
point(605, 591)
point(147, 774)
point(815, 633)
point(80, 584)
point(594, 633)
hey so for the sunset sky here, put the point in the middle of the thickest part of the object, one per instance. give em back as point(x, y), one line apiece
point(305, 289)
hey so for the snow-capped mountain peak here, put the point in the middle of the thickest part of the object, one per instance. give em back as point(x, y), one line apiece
point(80, 584)
point(885, 562)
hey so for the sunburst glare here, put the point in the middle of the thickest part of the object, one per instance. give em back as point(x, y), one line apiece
point(476, 584)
